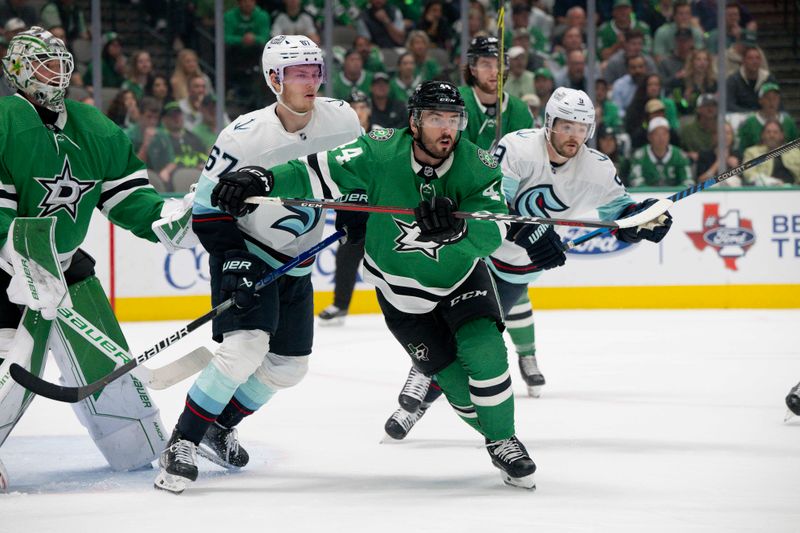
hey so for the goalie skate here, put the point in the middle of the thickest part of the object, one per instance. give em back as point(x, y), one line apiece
point(531, 374)
point(220, 445)
point(512, 459)
point(178, 464)
point(332, 316)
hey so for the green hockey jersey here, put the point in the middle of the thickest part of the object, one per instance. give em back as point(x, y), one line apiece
point(481, 127)
point(672, 170)
point(413, 275)
point(84, 162)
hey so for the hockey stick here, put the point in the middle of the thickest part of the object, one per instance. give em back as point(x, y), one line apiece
point(636, 220)
point(763, 158)
point(168, 375)
point(75, 394)
point(501, 70)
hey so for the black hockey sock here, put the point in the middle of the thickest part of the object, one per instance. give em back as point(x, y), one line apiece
point(233, 413)
point(194, 421)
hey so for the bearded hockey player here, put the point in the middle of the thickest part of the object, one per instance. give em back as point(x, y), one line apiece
point(433, 287)
point(59, 160)
point(266, 340)
point(548, 171)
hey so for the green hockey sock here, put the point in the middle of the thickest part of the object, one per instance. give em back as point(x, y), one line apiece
point(453, 381)
point(519, 323)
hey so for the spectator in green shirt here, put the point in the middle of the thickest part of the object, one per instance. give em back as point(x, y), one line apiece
point(140, 71)
point(405, 80)
point(610, 111)
point(246, 32)
point(371, 55)
point(174, 148)
point(611, 34)
point(114, 62)
point(696, 136)
point(659, 163)
point(664, 40)
point(418, 44)
point(351, 76)
point(520, 80)
point(769, 100)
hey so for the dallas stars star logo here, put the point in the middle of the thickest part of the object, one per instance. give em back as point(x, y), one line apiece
point(407, 241)
point(64, 191)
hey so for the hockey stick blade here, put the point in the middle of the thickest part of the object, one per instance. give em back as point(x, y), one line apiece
point(479, 215)
point(168, 375)
point(763, 158)
point(66, 394)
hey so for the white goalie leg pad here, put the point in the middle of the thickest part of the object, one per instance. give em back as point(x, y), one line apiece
point(241, 353)
point(282, 371)
point(123, 420)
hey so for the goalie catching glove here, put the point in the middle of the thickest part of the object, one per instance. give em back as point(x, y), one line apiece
point(653, 231)
point(240, 273)
point(235, 187)
point(437, 223)
point(542, 244)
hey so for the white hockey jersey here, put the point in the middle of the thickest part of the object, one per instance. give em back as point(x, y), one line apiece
point(276, 233)
point(584, 184)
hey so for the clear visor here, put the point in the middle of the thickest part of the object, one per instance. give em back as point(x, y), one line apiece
point(579, 130)
point(441, 119)
point(53, 70)
point(304, 75)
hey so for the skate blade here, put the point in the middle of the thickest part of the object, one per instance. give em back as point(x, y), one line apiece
point(169, 482)
point(789, 417)
point(214, 458)
point(526, 482)
point(535, 391)
point(3, 479)
point(331, 322)
point(388, 439)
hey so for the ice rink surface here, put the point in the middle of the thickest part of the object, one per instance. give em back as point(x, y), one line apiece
point(650, 421)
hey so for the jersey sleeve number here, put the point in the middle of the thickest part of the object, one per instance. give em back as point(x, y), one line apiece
point(347, 154)
point(217, 154)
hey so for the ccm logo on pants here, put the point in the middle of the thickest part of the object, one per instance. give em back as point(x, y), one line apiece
point(466, 296)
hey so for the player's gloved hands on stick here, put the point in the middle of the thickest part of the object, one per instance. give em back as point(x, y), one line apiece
point(354, 223)
point(241, 271)
point(437, 223)
point(542, 244)
point(234, 187)
point(653, 231)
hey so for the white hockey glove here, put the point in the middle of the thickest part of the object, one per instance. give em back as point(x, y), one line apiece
point(174, 228)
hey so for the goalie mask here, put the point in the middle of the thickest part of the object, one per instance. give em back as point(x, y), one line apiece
point(286, 51)
point(39, 66)
point(573, 106)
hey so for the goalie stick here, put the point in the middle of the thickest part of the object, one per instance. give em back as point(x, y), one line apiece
point(710, 182)
point(638, 219)
point(61, 393)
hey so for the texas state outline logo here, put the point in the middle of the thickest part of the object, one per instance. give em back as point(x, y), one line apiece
point(730, 234)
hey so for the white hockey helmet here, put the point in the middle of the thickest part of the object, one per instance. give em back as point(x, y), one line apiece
point(34, 51)
point(287, 50)
point(569, 104)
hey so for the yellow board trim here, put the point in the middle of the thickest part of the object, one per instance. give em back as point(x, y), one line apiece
point(672, 297)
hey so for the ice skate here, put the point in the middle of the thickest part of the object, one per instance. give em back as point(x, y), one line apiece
point(511, 457)
point(793, 403)
point(178, 464)
point(220, 445)
point(332, 316)
point(414, 390)
point(531, 375)
point(401, 422)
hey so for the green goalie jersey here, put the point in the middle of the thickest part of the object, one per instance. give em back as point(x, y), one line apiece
point(481, 126)
point(84, 162)
point(413, 275)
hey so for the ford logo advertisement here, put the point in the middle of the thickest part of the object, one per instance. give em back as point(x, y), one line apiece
point(602, 244)
point(718, 237)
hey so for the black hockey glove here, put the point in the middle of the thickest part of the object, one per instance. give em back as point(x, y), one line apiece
point(437, 223)
point(234, 187)
point(241, 271)
point(653, 231)
point(354, 223)
point(542, 244)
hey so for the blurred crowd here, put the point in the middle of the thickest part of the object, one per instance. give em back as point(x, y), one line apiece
point(656, 74)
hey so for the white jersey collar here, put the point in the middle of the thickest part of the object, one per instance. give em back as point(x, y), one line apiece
point(654, 158)
point(441, 170)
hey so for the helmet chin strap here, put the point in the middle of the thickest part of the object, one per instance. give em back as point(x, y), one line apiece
point(290, 110)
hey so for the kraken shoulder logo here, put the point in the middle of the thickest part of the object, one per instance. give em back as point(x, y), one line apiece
point(301, 221)
point(539, 201)
point(407, 241)
point(64, 191)
point(381, 134)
